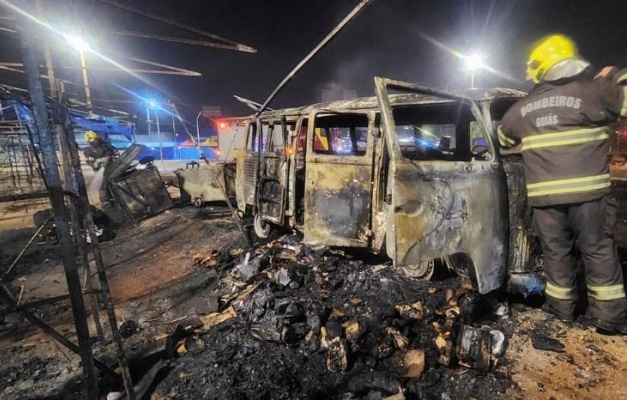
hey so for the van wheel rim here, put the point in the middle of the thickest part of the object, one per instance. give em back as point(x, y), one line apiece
point(262, 228)
point(423, 270)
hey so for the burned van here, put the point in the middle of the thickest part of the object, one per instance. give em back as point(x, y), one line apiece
point(413, 173)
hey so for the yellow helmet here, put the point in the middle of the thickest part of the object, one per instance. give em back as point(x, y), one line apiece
point(90, 135)
point(547, 52)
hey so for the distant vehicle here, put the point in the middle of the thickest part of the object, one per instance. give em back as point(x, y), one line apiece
point(416, 176)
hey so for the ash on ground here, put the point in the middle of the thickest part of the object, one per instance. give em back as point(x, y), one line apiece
point(299, 323)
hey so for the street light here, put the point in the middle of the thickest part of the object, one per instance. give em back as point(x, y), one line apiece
point(77, 42)
point(82, 46)
point(473, 62)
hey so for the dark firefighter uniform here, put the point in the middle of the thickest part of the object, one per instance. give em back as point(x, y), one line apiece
point(561, 128)
point(100, 154)
point(100, 151)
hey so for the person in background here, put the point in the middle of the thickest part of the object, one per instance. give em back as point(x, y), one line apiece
point(562, 130)
point(99, 152)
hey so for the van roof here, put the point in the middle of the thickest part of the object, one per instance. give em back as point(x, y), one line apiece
point(371, 103)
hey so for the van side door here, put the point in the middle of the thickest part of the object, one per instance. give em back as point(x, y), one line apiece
point(338, 179)
point(273, 172)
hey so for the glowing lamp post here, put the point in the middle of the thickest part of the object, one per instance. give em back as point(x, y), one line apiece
point(150, 103)
point(473, 63)
point(82, 46)
point(200, 152)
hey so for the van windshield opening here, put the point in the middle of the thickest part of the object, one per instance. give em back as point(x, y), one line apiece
point(442, 131)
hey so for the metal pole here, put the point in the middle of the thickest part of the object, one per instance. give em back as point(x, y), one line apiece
point(472, 79)
point(77, 224)
point(51, 78)
point(70, 184)
point(100, 267)
point(29, 162)
point(174, 136)
point(25, 163)
point(313, 52)
point(90, 112)
point(144, 13)
point(85, 212)
point(148, 116)
point(181, 121)
point(173, 123)
point(198, 134)
point(159, 137)
point(49, 68)
point(53, 179)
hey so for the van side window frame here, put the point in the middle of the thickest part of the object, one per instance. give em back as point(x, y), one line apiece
point(318, 156)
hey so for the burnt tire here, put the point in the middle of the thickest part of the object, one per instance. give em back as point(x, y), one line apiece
point(261, 228)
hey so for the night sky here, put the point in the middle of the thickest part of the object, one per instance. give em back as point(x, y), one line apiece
point(393, 38)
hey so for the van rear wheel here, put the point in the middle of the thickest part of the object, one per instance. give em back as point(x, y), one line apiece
point(262, 228)
point(423, 270)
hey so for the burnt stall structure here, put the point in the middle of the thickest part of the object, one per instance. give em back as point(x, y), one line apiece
point(72, 214)
point(20, 173)
point(137, 187)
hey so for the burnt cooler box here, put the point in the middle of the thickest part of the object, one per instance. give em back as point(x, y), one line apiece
point(138, 189)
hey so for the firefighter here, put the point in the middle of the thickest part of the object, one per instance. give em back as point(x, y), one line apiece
point(99, 153)
point(562, 130)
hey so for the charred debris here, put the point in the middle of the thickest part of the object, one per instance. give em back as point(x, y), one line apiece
point(292, 321)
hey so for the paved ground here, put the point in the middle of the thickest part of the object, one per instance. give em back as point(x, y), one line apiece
point(619, 171)
point(156, 283)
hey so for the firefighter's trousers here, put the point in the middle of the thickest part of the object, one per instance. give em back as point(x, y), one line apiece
point(590, 226)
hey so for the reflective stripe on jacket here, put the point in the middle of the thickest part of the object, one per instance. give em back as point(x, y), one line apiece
point(562, 131)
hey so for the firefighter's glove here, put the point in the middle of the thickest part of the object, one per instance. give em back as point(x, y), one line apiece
point(101, 162)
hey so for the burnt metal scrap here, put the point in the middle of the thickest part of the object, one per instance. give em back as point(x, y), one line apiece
point(138, 189)
point(203, 183)
point(307, 323)
point(47, 232)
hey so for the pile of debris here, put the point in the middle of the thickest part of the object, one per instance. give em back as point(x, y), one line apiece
point(103, 224)
point(297, 322)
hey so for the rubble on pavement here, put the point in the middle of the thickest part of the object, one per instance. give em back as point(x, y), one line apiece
point(296, 322)
point(313, 322)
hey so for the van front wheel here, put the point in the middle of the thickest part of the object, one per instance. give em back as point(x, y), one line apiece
point(262, 228)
